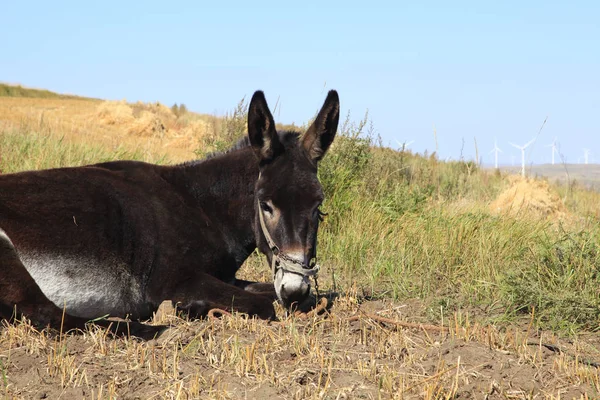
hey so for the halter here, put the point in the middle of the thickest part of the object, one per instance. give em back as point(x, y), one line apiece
point(289, 264)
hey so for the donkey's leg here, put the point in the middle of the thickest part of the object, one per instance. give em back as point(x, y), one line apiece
point(263, 288)
point(19, 291)
point(205, 292)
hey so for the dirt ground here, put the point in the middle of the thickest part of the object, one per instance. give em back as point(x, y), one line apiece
point(357, 348)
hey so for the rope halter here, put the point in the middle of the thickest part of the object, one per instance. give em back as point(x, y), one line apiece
point(279, 259)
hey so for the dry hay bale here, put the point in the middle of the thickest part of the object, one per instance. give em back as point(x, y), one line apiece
point(529, 198)
point(115, 113)
point(197, 128)
point(156, 120)
point(193, 134)
point(161, 111)
point(137, 119)
point(147, 124)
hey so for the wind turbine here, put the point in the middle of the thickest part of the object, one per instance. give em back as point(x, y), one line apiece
point(496, 149)
point(554, 149)
point(522, 148)
point(404, 145)
point(586, 154)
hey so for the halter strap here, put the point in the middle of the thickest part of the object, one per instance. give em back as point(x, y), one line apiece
point(290, 264)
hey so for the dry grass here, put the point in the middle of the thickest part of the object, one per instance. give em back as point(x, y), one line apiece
point(331, 356)
point(150, 128)
point(530, 198)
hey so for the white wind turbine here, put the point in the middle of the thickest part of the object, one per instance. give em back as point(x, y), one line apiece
point(522, 148)
point(404, 145)
point(586, 154)
point(496, 149)
point(554, 149)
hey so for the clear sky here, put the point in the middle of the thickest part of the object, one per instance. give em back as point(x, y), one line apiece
point(472, 69)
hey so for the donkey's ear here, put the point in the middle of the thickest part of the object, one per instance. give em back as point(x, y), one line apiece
point(261, 129)
point(319, 136)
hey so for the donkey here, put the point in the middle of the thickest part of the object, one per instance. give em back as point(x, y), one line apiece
point(118, 238)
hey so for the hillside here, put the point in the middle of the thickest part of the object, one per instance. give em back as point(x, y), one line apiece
point(444, 280)
point(148, 128)
point(8, 90)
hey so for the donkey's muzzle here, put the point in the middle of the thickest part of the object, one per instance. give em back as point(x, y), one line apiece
point(291, 287)
point(294, 297)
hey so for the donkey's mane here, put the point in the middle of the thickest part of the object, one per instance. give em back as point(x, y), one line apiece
point(287, 138)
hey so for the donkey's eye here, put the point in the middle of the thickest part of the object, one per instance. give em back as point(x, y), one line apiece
point(265, 207)
point(321, 214)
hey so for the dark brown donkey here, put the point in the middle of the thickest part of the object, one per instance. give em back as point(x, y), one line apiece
point(120, 237)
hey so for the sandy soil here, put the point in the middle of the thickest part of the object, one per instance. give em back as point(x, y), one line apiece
point(357, 348)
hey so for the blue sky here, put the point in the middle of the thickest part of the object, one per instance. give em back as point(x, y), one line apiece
point(471, 69)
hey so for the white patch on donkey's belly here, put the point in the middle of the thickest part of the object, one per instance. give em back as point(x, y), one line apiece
point(88, 288)
point(4, 237)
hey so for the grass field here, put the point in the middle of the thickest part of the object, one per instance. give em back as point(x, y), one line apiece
point(451, 282)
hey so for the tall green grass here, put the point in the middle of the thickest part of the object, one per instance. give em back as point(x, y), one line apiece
point(411, 226)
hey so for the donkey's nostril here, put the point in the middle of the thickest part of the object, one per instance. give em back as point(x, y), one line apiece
point(289, 297)
point(291, 287)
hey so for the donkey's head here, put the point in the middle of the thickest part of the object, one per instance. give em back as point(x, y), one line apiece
point(288, 193)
